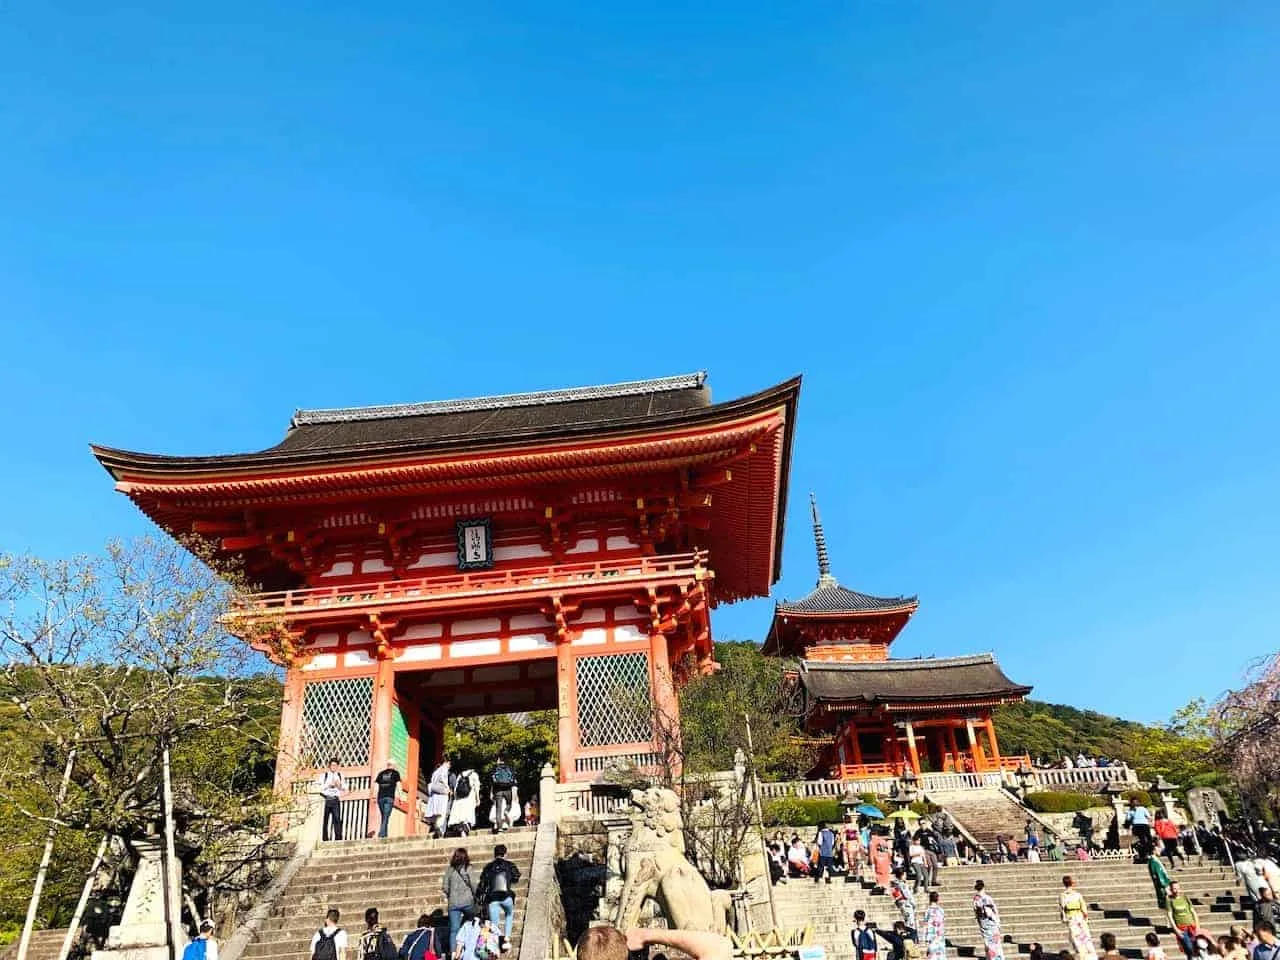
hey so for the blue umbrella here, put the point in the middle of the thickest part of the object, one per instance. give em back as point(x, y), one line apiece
point(867, 810)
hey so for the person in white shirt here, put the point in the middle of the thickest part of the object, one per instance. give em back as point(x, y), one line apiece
point(332, 786)
point(330, 941)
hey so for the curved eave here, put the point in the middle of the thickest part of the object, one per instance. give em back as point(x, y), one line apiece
point(698, 438)
point(781, 616)
point(910, 606)
point(119, 462)
point(1012, 695)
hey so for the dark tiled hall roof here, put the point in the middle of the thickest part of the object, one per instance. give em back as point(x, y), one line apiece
point(977, 676)
point(833, 598)
point(518, 413)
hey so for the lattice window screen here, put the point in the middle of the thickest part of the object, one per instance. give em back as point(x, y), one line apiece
point(614, 700)
point(336, 721)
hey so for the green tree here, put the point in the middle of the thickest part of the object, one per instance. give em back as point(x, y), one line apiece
point(525, 740)
point(117, 658)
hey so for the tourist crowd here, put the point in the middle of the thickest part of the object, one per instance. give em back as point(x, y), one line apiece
point(450, 808)
point(476, 924)
point(911, 861)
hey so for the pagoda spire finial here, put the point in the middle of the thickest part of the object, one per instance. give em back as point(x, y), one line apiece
point(825, 579)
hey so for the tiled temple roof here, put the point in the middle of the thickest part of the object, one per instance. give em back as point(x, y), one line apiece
point(905, 681)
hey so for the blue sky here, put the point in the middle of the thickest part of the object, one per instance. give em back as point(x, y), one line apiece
point(1025, 256)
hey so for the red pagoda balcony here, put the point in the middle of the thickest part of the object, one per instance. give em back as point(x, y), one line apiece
point(509, 587)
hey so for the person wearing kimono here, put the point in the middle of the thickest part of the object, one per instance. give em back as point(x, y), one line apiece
point(881, 858)
point(903, 898)
point(988, 917)
point(1159, 880)
point(1075, 914)
point(933, 931)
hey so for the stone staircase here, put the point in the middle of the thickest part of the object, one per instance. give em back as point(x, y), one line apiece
point(984, 813)
point(1120, 896)
point(399, 876)
point(45, 945)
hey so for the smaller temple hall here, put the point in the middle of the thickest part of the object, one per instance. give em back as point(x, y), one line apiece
point(880, 714)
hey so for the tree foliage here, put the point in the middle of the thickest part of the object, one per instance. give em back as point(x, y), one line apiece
point(115, 658)
point(714, 711)
point(525, 740)
point(1244, 729)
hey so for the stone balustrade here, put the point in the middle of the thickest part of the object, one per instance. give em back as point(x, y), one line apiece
point(1084, 779)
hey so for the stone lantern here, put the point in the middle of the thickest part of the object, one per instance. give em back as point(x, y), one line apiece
point(1026, 778)
point(1164, 790)
point(908, 788)
point(849, 802)
point(1114, 792)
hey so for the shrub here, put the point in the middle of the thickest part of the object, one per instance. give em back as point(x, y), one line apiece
point(801, 811)
point(1053, 801)
point(1135, 797)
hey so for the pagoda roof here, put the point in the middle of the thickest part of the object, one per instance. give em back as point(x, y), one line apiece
point(358, 432)
point(833, 598)
point(830, 605)
point(926, 681)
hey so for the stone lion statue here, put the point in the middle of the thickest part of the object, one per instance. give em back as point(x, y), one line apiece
point(654, 866)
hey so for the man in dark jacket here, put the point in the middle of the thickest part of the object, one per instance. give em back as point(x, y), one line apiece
point(497, 891)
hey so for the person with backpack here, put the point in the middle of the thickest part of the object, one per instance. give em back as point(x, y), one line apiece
point(459, 893)
point(501, 784)
point(330, 941)
point(375, 942)
point(420, 942)
point(466, 792)
point(863, 936)
point(203, 947)
point(496, 894)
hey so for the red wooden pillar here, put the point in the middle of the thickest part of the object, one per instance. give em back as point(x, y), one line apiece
point(287, 759)
point(991, 737)
point(410, 774)
point(952, 747)
point(665, 706)
point(384, 685)
point(567, 709)
point(913, 754)
point(853, 740)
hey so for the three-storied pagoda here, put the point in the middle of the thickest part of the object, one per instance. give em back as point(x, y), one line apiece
point(559, 549)
point(881, 714)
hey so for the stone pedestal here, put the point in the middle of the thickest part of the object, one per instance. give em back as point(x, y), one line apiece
point(141, 932)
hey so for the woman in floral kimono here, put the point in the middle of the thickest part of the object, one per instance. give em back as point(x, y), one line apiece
point(932, 932)
point(988, 917)
point(1075, 914)
point(881, 858)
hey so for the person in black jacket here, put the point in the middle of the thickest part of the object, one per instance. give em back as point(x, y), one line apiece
point(897, 939)
point(496, 891)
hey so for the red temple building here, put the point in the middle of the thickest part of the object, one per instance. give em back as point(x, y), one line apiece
point(881, 714)
point(554, 550)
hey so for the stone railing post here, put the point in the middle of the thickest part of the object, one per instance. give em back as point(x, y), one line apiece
point(548, 802)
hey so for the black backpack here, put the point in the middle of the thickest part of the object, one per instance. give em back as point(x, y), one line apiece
point(503, 777)
point(326, 949)
point(463, 788)
point(382, 947)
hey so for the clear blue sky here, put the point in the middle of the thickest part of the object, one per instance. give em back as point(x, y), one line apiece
point(1024, 254)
